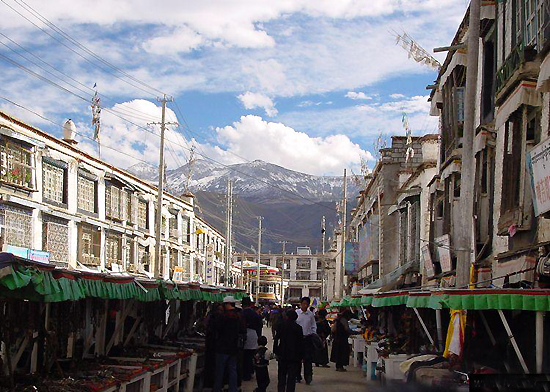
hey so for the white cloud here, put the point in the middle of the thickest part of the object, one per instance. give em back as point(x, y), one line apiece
point(182, 40)
point(397, 96)
point(257, 100)
point(254, 138)
point(416, 104)
point(359, 95)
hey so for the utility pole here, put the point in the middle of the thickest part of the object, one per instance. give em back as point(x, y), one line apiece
point(259, 259)
point(229, 228)
point(158, 256)
point(341, 267)
point(464, 251)
point(323, 272)
point(282, 272)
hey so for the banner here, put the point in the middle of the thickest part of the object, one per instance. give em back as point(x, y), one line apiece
point(178, 274)
point(210, 264)
point(352, 258)
point(538, 164)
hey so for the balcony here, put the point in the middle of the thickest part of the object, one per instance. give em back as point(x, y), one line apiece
point(513, 63)
point(90, 260)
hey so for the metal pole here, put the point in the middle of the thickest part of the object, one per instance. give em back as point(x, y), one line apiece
point(158, 256)
point(343, 261)
point(439, 329)
point(465, 250)
point(282, 273)
point(539, 340)
point(323, 231)
point(259, 260)
point(424, 326)
point(228, 234)
point(513, 341)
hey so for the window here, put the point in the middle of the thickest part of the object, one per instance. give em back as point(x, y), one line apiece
point(488, 87)
point(511, 163)
point(286, 274)
point(144, 256)
point(113, 251)
point(302, 275)
point(87, 190)
point(16, 167)
point(280, 263)
point(17, 226)
point(174, 257)
point(54, 181)
point(303, 263)
point(315, 293)
point(267, 289)
point(535, 21)
point(55, 239)
point(265, 261)
point(115, 201)
point(142, 215)
point(186, 235)
point(173, 222)
point(295, 292)
point(129, 254)
point(89, 245)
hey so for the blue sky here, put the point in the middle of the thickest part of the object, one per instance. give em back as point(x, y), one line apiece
point(307, 85)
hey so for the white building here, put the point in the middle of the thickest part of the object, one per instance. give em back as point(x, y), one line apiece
point(88, 214)
point(302, 272)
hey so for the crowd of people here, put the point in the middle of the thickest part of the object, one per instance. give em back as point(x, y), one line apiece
point(236, 347)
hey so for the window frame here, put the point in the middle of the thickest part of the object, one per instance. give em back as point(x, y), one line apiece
point(86, 176)
point(64, 168)
point(7, 143)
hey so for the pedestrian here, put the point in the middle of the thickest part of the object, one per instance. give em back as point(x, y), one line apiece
point(276, 318)
point(210, 343)
point(340, 346)
point(289, 348)
point(306, 319)
point(261, 364)
point(253, 331)
point(323, 330)
point(230, 332)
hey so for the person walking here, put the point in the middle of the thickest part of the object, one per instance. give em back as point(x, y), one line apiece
point(323, 330)
point(276, 319)
point(261, 364)
point(289, 348)
point(340, 346)
point(229, 329)
point(306, 319)
point(253, 332)
point(210, 343)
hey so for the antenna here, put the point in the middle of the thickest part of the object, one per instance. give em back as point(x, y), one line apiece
point(417, 52)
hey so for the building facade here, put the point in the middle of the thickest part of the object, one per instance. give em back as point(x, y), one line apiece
point(62, 205)
point(302, 273)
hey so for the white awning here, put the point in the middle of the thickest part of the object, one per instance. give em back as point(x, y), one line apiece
point(543, 84)
point(459, 58)
point(150, 241)
point(408, 193)
point(19, 136)
point(453, 167)
point(435, 186)
point(437, 98)
point(488, 9)
point(524, 94)
point(480, 141)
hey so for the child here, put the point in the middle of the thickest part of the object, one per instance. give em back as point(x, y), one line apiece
point(261, 363)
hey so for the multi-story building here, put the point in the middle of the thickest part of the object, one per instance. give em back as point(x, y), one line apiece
point(392, 212)
point(62, 205)
point(511, 230)
point(302, 272)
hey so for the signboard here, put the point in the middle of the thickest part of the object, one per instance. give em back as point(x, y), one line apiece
point(178, 274)
point(39, 256)
point(538, 164)
point(444, 252)
point(352, 258)
point(427, 258)
point(210, 264)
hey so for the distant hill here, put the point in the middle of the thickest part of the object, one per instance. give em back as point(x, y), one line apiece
point(292, 203)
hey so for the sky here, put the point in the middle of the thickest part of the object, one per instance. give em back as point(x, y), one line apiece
point(308, 85)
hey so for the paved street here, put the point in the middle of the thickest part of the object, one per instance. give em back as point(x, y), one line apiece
point(324, 379)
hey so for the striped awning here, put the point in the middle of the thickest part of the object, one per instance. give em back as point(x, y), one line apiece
point(543, 84)
point(525, 94)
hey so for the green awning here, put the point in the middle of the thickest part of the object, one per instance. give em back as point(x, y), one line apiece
point(503, 299)
point(389, 299)
point(423, 300)
point(366, 300)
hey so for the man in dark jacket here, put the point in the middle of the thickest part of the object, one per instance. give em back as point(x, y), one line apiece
point(289, 348)
point(230, 330)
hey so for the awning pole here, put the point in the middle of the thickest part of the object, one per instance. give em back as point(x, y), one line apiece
point(439, 329)
point(491, 336)
point(539, 340)
point(513, 341)
point(424, 326)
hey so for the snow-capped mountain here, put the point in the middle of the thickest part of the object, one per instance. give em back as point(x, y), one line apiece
point(258, 181)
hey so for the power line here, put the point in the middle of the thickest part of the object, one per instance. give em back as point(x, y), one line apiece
point(67, 37)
